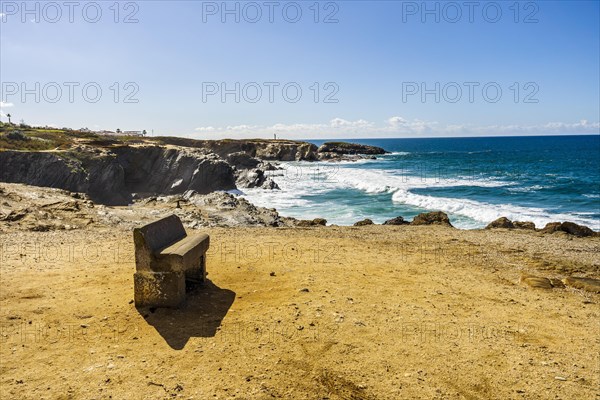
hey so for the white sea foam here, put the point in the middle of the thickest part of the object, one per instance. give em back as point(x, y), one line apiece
point(485, 212)
point(303, 185)
point(525, 189)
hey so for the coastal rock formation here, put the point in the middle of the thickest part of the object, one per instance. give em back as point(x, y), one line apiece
point(242, 160)
point(396, 221)
point(501, 222)
point(524, 225)
point(230, 210)
point(349, 148)
point(110, 176)
point(364, 222)
point(255, 178)
point(569, 227)
point(432, 218)
point(287, 151)
point(45, 209)
point(270, 150)
point(342, 151)
point(100, 176)
point(314, 222)
point(506, 223)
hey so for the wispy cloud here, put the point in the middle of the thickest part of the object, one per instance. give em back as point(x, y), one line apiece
point(395, 126)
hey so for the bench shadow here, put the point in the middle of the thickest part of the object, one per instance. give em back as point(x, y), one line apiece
point(200, 316)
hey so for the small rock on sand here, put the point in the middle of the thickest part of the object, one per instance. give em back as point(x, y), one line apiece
point(587, 284)
point(535, 281)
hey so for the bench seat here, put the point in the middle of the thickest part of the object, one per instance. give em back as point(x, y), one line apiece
point(184, 254)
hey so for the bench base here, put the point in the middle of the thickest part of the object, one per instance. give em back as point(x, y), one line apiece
point(197, 275)
point(158, 289)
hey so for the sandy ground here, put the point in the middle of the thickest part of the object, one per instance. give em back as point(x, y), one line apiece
point(377, 312)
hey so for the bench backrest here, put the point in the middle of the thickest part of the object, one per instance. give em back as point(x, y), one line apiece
point(162, 233)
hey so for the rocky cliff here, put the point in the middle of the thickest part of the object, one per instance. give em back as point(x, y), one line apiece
point(269, 150)
point(115, 170)
point(277, 150)
point(113, 176)
point(350, 148)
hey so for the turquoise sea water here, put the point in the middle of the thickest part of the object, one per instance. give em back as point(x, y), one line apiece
point(474, 180)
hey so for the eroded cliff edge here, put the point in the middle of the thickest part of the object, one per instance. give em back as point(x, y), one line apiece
point(114, 176)
point(115, 170)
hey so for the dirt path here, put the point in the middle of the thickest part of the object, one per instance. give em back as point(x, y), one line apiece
point(349, 313)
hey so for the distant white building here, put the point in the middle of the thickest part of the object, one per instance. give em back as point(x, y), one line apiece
point(121, 133)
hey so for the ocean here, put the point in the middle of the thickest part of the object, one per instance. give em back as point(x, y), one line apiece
point(474, 180)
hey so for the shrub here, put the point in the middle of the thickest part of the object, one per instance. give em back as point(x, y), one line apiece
point(16, 135)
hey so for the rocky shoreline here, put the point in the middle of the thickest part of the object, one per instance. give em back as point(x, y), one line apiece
point(36, 208)
point(194, 178)
point(115, 173)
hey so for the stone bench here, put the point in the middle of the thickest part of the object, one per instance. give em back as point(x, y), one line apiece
point(165, 258)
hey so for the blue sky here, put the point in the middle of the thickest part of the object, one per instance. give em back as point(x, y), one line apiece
point(370, 68)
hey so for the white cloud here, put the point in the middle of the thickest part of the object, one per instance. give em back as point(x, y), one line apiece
point(395, 126)
point(342, 123)
point(396, 121)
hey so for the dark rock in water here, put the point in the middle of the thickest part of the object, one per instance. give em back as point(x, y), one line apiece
point(432, 218)
point(524, 225)
point(364, 222)
point(250, 178)
point(242, 160)
point(501, 222)
point(349, 148)
point(314, 222)
point(569, 227)
point(270, 184)
point(255, 178)
point(396, 221)
point(270, 167)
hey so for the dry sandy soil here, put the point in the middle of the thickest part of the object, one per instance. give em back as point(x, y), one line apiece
point(375, 312)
